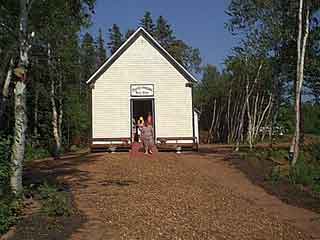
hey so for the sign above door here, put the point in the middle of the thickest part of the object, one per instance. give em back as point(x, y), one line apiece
point(141, 90)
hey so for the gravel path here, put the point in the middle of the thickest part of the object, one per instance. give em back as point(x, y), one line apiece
point(169, 196)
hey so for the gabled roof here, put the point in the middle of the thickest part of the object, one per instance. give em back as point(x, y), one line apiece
point(141, 31)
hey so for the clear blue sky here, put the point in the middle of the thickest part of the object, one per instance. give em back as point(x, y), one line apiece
point(200, 23)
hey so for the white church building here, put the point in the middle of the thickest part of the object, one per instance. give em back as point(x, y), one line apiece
point(141, 77)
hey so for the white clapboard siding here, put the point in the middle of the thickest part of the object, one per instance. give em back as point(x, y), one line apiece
point(141, 63)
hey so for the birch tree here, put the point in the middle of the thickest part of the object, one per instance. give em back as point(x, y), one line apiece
point(20, 113)
point(55, 112)
point(303, 33)
point(40, 15)
point(5, 89)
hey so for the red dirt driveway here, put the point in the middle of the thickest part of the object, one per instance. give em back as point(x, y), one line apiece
point(172, 196)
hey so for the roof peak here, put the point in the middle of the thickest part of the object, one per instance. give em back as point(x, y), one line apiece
point(127, 43)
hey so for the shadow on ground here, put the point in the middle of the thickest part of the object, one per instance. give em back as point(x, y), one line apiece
point(258, 170)
point(37, 225)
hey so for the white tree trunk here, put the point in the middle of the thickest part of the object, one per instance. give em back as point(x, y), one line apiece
point(19, 142)
point(19, 136)
point(301, 48)
point(262, 117)
point(55, 114)
point(240, 128)
point(55, 121)
point(212, 121)
point(228, 117)
point(236, 113)
point(5, 89)
point(256, 112)
point(60, 110)
point(246, 108)
point(250, 126)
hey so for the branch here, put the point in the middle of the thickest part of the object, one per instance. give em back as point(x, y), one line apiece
point(256, 79)
point(264, 113)
point(30, 2)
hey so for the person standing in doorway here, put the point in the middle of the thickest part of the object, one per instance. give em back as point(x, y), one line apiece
point(148, 138)
point(139, 129)
point(149, 119)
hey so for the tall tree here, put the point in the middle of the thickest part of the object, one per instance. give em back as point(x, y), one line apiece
point(163, 33)
point(268, 31)
point(281, 29)
point(89, 56)
point(20, 106)
point(101, 51)
point(302, 38)
point(56, 116)
point(187, 56)
point(115, 38)
point(52, 23)
point(208, 93)
point(147, 23)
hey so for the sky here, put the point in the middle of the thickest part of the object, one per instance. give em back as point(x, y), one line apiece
point(200, 23)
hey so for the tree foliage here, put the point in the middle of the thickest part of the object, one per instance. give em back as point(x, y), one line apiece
point(52, 65)
point(147, 23)
point(253, 97)
point(116, 38)
point(100, 48)
point(186, 55)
